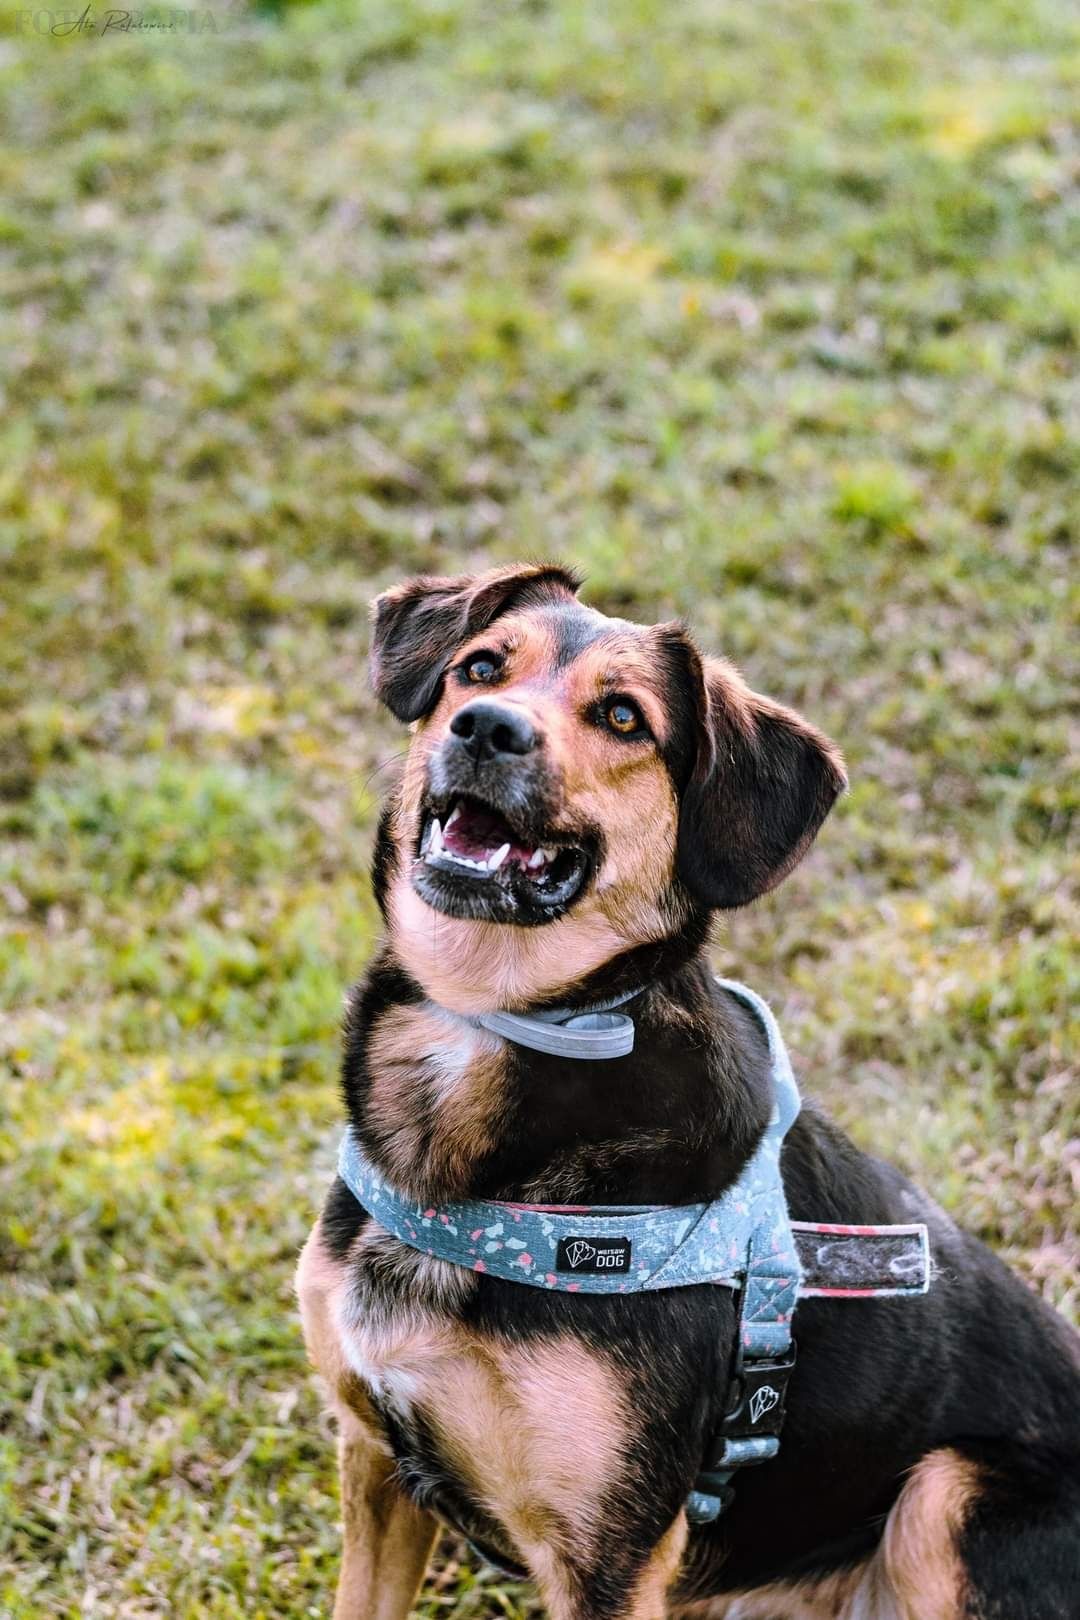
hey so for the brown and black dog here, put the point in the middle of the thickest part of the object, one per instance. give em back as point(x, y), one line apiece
point(580, 794)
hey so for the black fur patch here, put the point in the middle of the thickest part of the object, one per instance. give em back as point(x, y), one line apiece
point(761, 785)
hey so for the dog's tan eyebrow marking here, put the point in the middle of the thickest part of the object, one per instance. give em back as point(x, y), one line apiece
point(496, 640)
point(618, 680)
point(524, 638)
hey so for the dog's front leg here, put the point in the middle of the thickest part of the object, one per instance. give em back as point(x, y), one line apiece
point(387, 1541)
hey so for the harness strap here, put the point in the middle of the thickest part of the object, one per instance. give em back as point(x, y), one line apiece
point(549, 1247)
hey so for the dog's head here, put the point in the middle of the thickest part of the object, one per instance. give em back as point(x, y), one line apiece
point(577, 786)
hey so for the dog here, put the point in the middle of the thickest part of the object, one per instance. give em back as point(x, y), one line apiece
point(579, 795)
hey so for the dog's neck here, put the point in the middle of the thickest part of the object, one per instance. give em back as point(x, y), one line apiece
point(448, 1110)
point(471, 966)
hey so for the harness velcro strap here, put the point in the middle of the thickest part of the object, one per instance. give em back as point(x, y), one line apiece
point(861, 1262)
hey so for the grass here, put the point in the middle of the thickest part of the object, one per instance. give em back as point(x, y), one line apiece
point(770, 321)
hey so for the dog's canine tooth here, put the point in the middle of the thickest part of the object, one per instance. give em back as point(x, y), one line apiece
point(537, 858)
point(496, 858)
point(435, 842)
point(455, 812)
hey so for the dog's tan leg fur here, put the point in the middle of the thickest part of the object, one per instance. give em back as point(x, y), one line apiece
point(387, 1541)
point(650, 1599)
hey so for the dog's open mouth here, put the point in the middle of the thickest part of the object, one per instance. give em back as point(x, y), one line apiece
point(473, 863)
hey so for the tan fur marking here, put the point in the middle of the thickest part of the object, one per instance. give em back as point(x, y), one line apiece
point(650, 1597)
point(394, 1352)
point(538, 1430)
point(478, 966)
point(916, 1573)
point(424, 1055)
point(919, 1549)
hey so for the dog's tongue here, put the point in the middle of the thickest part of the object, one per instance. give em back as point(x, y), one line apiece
point(471, 830)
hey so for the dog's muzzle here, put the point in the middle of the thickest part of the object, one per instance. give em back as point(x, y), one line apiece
point(488, 844)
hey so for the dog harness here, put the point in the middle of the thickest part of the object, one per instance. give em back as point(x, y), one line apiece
point(744, 1240)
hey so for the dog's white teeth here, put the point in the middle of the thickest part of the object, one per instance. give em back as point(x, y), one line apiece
point(455, 812)
point(536, 859)
point(435, 842)
point(548, 853)
point(496, 858)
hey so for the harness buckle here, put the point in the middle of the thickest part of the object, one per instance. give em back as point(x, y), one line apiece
point(749, 1430)
point(757, 1397)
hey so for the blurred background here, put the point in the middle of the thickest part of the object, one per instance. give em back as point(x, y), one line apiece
point(765, 316)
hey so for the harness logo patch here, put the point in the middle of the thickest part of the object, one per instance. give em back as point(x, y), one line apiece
point(601, 1254)
point(763, 1400)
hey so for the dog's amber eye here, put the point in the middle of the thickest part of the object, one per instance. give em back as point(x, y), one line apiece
point(623, 717)
point(481, 667)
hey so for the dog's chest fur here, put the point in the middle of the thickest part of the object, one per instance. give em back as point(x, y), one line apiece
point(451, 1111)
point(438, 1088)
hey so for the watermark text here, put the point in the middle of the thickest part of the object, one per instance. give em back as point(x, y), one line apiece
point(92, 24)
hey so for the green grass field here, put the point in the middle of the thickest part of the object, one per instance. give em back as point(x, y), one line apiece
point(768, 316)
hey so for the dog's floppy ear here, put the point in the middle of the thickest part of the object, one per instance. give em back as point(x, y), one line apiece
point(763, 781)
point(418, 626)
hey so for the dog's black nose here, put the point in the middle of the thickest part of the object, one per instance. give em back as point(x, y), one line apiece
point(488, 729)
